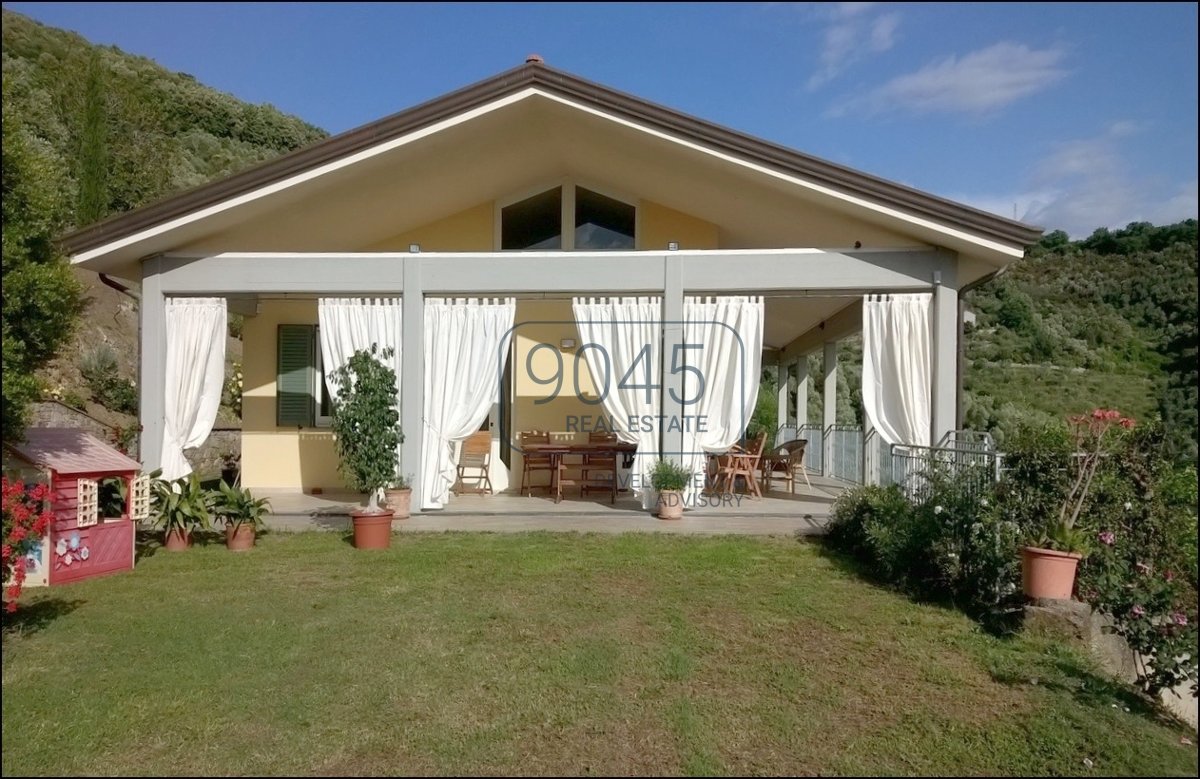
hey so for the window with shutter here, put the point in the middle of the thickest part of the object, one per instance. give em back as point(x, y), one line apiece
point(296, 376)
point(87, 502)
point(141, 498)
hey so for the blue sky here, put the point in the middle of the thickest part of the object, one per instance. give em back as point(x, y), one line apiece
point(1075, 115)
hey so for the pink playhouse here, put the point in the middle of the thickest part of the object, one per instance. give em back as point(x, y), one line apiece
point(91, 535)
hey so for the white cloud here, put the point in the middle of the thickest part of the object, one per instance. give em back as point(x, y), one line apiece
point(976, 83)
point(853, 31)
point(1087, 183)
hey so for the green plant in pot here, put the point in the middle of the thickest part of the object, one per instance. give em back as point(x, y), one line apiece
point(242, 513)
point(181, 508)
point(1051, 556)
point(399, 496)
point(366, 425)
point(669, 479)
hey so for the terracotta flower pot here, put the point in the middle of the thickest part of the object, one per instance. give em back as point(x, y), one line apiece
point(240, 538)
point(399, 501)
point(1046, 573)
point(177, 540)
point(670, 504)
point(372, 531)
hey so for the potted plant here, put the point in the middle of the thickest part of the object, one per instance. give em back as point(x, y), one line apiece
point(1049, 561)
point(366, 425)
point(181, 507)
point(399, 496)
point(669, 480)
point(243, 515)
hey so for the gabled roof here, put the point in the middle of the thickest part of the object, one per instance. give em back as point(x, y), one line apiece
point(71, 451)
point(547, 79)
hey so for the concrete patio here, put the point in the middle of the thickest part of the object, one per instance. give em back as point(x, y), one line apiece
point(778, 513)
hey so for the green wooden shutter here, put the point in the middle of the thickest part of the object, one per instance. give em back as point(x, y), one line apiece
point(294, 382)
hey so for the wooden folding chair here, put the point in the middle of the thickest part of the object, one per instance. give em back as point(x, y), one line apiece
point(741, 461)
point(476, 455)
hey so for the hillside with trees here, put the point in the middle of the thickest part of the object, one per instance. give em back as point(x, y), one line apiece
point(91, 131)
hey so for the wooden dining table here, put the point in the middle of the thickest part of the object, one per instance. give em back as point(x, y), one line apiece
point(557, 451)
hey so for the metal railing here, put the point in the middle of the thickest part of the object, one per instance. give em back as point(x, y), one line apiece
point(844, 452)
point(967, 456)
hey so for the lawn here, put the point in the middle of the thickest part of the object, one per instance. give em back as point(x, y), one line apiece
point(546, 654)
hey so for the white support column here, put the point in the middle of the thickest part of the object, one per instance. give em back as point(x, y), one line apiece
point(412, 377)
point(945, 361)
point(783, 396)
point(830, 400)
point(870, 454)
point(803, 382)
point(673, 411)
point(152, 323)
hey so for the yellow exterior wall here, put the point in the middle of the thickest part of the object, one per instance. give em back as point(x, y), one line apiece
point(466, 231)
point(659, 225)
point(276, 457)
point(286, 458)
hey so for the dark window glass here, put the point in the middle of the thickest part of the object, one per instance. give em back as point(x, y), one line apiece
point(602, 223)
point(533, 223)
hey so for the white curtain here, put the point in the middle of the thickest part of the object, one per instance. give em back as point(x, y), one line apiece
point(466, 346)
point(350, 324)
point(898, 366)
point(729, 334)
point(194, 377)
point(622, 329)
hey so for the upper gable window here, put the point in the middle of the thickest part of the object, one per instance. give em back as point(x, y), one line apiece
point(566, 218)
point(533, 223)
point(602, 223)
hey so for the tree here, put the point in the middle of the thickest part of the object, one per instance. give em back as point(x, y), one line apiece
point(42, 300)
point(93, 148)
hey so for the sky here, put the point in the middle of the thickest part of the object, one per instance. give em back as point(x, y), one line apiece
point(1067, 116)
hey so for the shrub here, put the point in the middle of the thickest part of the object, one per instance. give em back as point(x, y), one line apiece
point(952, 545)
point(99, 369)
point(1143, 574)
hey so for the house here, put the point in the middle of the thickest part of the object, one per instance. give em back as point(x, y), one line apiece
point(542, 192)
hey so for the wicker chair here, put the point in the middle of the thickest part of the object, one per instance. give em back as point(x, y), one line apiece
point(785, 460)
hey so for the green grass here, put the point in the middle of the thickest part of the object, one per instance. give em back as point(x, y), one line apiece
point(546, 654)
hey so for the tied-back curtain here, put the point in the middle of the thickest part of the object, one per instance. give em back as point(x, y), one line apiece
point(613, 333)
point(350, 324)
point(466, 346)
point(194, 377)
point(723, 340)
point(898, 366)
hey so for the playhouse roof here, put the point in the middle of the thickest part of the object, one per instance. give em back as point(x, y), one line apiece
point(70, 451)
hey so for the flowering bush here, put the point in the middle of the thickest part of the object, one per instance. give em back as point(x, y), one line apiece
point(27, 518)
point(233, 389)
point(1143, 574)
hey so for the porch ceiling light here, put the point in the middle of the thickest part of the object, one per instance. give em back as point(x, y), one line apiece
point(567, 343)
point(414, 248)
point(673, 246)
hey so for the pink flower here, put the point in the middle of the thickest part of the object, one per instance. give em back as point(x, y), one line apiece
point(1179, 618)
point(1128, 423)
point(1169, 575)
point(1107, 537)
point(1138, 611)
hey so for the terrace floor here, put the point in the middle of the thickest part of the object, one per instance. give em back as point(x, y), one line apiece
point(778, 513)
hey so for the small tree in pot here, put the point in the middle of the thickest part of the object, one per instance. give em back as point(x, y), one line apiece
point(669, 479)
point(367, 427)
